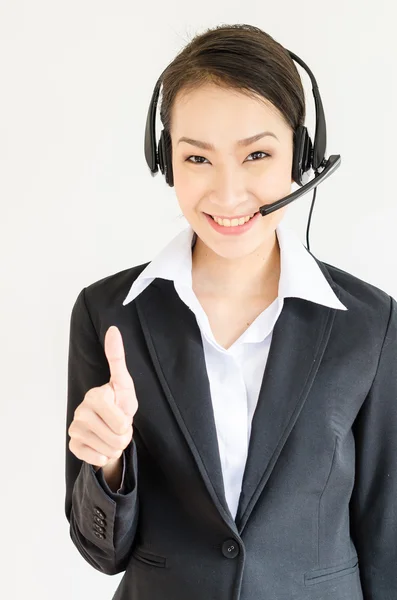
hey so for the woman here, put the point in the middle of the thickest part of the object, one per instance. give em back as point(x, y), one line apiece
point(246, 444)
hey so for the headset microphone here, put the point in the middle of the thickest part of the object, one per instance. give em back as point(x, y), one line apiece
point(306, 155)
point(332, 163)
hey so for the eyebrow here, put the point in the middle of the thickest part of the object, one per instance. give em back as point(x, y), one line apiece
point(244, 142)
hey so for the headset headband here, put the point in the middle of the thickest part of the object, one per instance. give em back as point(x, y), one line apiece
point(320, 137)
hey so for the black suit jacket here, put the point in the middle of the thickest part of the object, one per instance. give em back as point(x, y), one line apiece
point(317, 517)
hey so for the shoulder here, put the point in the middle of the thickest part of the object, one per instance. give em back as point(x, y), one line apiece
point(110, 291)
point(363, 299)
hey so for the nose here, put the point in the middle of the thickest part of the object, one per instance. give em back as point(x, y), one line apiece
point(229, 188)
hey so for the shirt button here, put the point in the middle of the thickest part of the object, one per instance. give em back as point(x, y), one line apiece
point(230, 548)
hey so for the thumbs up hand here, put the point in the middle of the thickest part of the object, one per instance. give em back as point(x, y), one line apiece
point(102, 425)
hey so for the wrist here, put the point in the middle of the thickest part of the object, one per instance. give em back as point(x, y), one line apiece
point(113, 472)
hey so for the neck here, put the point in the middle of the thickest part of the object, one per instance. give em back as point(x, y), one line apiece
point(256, 274)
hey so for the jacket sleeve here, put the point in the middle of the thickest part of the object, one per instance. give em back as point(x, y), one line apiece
point(373, 506)
point(103, 483)
point(102, 523)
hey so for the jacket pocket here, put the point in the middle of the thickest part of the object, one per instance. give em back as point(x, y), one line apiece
point(319, 575)
point(148, 558)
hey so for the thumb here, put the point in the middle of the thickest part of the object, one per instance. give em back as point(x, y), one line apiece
point(120, 378)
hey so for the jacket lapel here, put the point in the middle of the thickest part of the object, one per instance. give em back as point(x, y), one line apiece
point(174, 341)
point(299, 340)
point(175, 345)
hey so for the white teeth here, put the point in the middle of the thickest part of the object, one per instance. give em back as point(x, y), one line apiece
point(232, 222)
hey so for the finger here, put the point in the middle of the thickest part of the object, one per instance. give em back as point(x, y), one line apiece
point(113, 440)
point(101, 401)
point(91, 440)
point(84, 452)
point(114, 350)
point(120, 379)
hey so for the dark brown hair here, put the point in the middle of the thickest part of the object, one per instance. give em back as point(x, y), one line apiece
point(241, 57)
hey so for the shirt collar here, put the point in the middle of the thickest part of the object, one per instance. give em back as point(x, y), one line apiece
point(300, 275)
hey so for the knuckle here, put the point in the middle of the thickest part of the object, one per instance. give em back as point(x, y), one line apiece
point(77, 416)
point(120, 426)
point(116, 453)
point(75, 448)
point(72, 429)
point(128, 436)
point(77, 434)
point(80, 414)
point(120, 443)
point(102, 459)
point(91, 393)
point(121, 429)
point(126, 429)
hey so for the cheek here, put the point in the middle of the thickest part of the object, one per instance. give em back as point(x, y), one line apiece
point(276, 181)
point(186, 195)
point(189, 187)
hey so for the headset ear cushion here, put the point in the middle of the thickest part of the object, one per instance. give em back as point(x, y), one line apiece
point(168, 158)
point(165, 157)
point(302, 154)
point(160, 155)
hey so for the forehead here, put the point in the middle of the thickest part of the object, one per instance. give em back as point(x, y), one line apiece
point(213, 105)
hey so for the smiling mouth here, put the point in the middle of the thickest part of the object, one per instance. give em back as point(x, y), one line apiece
point(230, 218)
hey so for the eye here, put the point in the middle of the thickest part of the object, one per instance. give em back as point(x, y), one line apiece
point(259, 152)
point(198, 162)
point(194, 161)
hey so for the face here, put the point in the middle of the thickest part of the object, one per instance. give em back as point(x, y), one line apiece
point(230, 179)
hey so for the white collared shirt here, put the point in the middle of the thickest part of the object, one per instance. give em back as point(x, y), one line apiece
point(235, 374)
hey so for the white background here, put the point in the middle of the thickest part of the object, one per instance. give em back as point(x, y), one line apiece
point(78, 203)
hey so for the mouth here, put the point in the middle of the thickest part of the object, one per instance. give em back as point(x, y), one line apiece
point(236, 228)
point(235, 217)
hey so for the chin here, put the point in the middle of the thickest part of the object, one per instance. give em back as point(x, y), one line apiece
point(233, 247)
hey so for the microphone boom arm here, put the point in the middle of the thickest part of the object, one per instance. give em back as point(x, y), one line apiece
point(331, 165)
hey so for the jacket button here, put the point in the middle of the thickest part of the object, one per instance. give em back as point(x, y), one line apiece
point(99, 521)
point(100, 535)
point(98, 512)
point(230, 549)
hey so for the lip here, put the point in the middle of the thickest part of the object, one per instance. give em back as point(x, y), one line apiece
point(233, 217)
point(233, 230)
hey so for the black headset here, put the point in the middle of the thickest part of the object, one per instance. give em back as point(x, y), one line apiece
point(306, 155)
